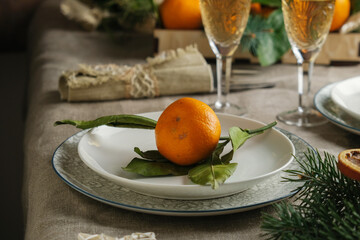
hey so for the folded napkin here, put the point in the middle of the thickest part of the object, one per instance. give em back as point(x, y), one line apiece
point(172, 72)
point(133, 236)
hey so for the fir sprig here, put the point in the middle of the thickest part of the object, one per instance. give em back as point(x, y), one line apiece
point(328, 205)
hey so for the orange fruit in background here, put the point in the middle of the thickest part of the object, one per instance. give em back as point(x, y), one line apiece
point(267, 11)
point(349, 163)
point(255, 8)
point(181, 14)
point(187, 131)
point(341, 14)
point(264, 11)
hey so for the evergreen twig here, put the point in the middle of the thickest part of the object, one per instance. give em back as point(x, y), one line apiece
point(328, 204)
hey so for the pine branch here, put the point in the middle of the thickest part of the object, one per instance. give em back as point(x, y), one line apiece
point(329, 204)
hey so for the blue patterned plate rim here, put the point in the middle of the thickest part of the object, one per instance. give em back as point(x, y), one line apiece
point(325, 92)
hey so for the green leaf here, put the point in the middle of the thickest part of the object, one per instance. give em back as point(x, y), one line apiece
point(355, 6)
point(266, 38)
point(266, 51)
point(238, 137)
point(225, 159)
point(153, 155)
point(215, 156)
point(261, 129)
point(151, 169)
point(274, 44)
point(124, 120)
point(214, 175)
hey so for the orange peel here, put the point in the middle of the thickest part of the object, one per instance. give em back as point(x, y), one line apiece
point(349, 163)
point(341, 14)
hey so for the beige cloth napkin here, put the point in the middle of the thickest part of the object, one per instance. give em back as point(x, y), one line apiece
point(133, 236)
point(181, 71)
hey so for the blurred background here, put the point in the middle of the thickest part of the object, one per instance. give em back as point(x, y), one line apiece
point(14, 19)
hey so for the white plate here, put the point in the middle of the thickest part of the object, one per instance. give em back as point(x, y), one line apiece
point(346, 94)
point(325, 105)
point(106, 150)
point(71, 169)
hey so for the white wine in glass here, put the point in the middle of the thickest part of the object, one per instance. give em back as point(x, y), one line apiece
point(307, 23)
point(224, 22)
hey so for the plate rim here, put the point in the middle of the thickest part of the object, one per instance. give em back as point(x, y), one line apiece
point(330, 116)
point(174, 212)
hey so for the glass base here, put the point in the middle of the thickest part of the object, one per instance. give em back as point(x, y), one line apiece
point(228, 108)
point(305, 117)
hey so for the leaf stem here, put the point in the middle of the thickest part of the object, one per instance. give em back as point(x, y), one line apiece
point(270, 125)
point(122, 120)
point(258, 130)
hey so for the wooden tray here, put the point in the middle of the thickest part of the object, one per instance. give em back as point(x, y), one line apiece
point(337, 48)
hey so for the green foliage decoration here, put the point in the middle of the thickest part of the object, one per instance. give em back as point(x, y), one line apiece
point(327, 205)
point(266, 38)
point(126, 14)
point(355, 6)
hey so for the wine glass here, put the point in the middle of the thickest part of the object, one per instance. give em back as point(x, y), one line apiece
point(307, 23)
point(224, 22)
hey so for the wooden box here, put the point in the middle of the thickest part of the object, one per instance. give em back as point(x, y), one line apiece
point(337, 48)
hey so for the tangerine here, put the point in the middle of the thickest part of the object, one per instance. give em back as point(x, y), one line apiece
point(341, 14)
point(187, 131)
point(181, 14)
point(267, 11)
point(255, 8)
point(349, 163)
point(264, 11)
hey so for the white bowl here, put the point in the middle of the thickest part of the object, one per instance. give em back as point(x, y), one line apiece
point(106, 150)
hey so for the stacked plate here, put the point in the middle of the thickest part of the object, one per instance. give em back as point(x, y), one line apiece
point(340, 103)
point(92, 162)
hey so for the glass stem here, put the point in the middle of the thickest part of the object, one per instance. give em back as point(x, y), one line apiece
point(305, 70)
point(223, 78)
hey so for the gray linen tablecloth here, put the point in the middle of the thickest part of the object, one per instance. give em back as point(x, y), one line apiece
point(53, 210)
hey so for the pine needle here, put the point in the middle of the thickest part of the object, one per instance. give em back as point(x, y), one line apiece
point(329, 204)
